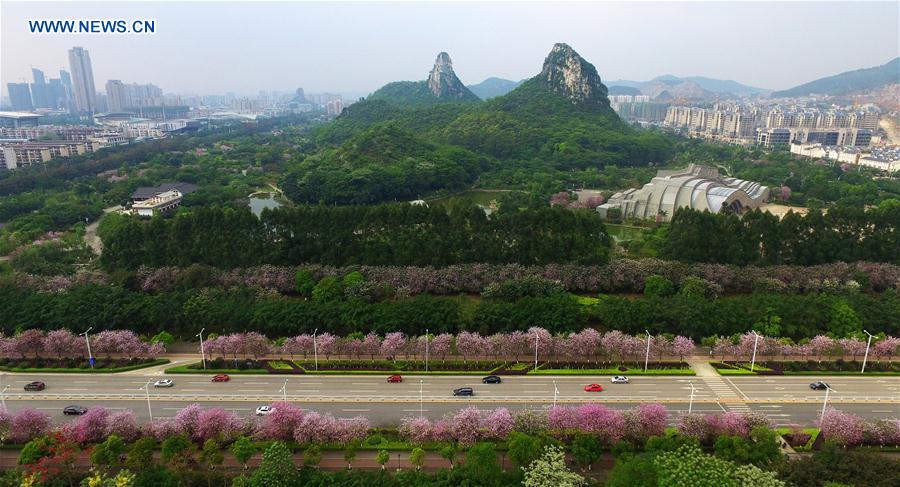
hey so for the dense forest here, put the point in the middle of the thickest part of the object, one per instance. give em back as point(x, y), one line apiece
point(842, 234)
point(376, 235)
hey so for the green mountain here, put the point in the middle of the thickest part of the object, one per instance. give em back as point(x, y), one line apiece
point(542, 132)
point(494, 87)
point(844, 83)
point(442, 86)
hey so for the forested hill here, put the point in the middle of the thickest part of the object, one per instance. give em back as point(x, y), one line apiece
point(844, 83)
point(560, 120)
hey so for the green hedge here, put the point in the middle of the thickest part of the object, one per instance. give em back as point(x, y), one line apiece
point(112, 370)
point(542, 371)
point(188, 369)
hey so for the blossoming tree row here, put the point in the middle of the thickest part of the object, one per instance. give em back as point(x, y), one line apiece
point(63, 343)
point(819, 347)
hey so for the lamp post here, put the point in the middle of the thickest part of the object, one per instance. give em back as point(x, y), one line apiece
point(315, 348)
point(3, 396)
point(691, 403)
point(284, 391)
point(647, 356)
point(866, 356)
point(421, 404)
point(825, 403)
point(555, 393)
point(755, 343)
point(149, 409)
point(88, 341)
point(426, 349)
point(535, 349)
point(202, 352)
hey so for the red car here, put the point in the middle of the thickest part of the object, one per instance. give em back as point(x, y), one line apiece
point(395, 378)
point(593, 388)
point(221, 378)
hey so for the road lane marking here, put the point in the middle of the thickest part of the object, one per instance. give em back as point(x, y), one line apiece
point(251, 390)
point(356, 410)
point(257, 383)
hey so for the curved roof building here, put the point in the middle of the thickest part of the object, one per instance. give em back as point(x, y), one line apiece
point(697, 187)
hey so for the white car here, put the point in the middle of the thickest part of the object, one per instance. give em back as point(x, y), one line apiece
point(620, 379)
point(264, 410)
point(164, 383)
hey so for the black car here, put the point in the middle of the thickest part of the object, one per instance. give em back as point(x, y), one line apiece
point(463, 391)
point(492, 379)
point(35, 386)
point(818, 386)
point(76, 410)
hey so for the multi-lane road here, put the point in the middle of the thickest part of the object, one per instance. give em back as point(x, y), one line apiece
point(785, 400)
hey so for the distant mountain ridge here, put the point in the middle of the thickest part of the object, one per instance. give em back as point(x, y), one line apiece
point(689, 86)
point(848, 82)
point(494, 87)
point(441, 86)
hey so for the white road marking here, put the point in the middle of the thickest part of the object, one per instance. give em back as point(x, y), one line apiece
point(356, 410)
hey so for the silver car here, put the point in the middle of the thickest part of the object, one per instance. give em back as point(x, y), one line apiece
point(620, 379)
point(164, 383)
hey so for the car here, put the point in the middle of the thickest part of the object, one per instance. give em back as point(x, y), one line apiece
point(164, 383)
point(221, 378)
point(395, 378)
point(463, 391)
point(818, 386)
point(74, 410)
point(35, 386)
point(492, 379)
point(593, 388)
point(620, 379)
point(264, 410)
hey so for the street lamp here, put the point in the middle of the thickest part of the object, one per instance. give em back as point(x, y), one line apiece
point(825, 402)
point(88, 341)
point(421, 404)
point(647, 356)
point(315, 348)
point(202, 352)
point(691, 403)
point(866, 356)
point(149, 409)
point(755, 343)
point(284, 391)
point(535, 349)
point(426, 349)
point(555, 393)
point(3, 396)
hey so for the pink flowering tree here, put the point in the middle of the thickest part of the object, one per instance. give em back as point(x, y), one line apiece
point(440, 345)
point(842, 428)
point(298, 345)
point(256, 344)
point(683, 347)
point(645, 421)
point(608, 424)
point(822, 345)
point(371, 345)
point(124, 425)
point(28, 424)
point(281, 423)
point(562, 418)
point(498, 424)
point(416, 429)
point(393, 343)
point(326, 344)
point(465, 425)
point(853, 347)
point(218, 424)
point(63, 343)
point(92, 426)
point(543, 340)
point(888, 347)
point(469, 344)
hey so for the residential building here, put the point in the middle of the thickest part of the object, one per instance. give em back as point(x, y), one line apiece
point(20, 96)
point(85, 94)
point(19, 154)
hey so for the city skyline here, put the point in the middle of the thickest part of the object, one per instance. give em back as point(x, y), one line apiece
point(356, 48)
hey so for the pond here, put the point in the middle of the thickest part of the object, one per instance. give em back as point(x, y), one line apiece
point(262, 201)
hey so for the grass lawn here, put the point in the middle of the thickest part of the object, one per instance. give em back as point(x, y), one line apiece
point(78, 370)
point(812, 432)
point(280, 365)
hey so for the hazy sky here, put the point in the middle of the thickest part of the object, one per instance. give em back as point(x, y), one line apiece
point(214, 47)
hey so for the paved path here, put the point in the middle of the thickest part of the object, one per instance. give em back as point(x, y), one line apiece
point(90, 232)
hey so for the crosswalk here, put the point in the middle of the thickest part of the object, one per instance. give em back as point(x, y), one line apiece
point(726, 395)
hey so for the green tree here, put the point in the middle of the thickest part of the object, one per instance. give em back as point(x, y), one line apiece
point(350, 454)
point(382, 458)
point(211, 454)
point(448, 453)
point(304, 283)
point(178, 451)
point(844, 320)
point(163, 337)
point(522, 448)
point(586, 449)
point(107, 454)
point(140, 455)
point(243, 449)
point(693, 287)
point(328, 290)
point(481, 462)
point(633, 471)
point(417, 457)
point(550, 470)
point(658, 286)
point(312, 455)
point(34, 450)
point(277, 468)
